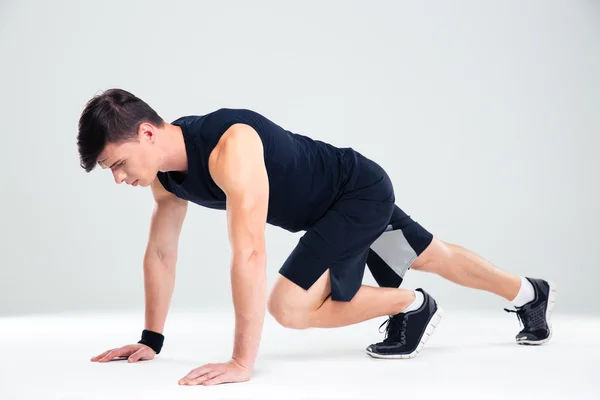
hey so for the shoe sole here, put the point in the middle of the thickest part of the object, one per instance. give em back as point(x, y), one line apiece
point(549, 307)
point(434, 321)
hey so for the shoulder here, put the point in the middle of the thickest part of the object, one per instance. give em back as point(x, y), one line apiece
point(238, 134)
point(238, 141)
point(239, 154)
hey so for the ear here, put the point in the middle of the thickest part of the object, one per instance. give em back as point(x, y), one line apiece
point(147, 132)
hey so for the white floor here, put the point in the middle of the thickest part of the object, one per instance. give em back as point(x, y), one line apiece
point(470, 355)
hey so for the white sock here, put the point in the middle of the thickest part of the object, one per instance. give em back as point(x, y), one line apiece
point(525, 295)
point(415, 304)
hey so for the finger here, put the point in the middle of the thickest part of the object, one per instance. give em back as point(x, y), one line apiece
point(206, 377)
point(136, 356)
point(217, 380)
point(108, 356)
point(99, 356)
point(195, 373)
point(191, 376)
point(123, 351)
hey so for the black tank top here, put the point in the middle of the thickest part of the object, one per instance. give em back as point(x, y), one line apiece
point(306, 176)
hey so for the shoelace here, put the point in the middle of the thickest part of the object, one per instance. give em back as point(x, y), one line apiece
point(521, 316)
point(388, 329)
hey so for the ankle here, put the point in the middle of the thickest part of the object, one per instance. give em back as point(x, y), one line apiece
point(525, 294)
point(512, 288)
point(412, 300)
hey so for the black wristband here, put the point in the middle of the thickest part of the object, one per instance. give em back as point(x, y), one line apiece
point(154, 340)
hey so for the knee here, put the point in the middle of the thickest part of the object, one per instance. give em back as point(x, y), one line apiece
point(287, 316)
point(437, 256)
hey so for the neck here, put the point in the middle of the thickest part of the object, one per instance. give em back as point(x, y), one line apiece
point(173, 148)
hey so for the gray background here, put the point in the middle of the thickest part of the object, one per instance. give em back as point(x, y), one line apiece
point(485, 114)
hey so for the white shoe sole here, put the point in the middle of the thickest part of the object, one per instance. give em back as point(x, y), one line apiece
point(434, 321)
point(549, 307)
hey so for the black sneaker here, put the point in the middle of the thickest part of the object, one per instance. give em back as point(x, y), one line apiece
point(535, 315)
point(406, 333)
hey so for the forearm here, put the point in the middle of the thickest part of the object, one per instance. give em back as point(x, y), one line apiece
point(249, 289)
point(160, 260)
point(159, 282)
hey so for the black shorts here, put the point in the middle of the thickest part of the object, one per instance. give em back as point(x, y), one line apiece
point(363, 227)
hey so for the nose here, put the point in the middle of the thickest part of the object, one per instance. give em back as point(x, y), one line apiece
point(119, 177)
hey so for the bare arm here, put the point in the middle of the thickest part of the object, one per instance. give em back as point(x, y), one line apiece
point(240, 171)
point(161, 255)
point(159, 271)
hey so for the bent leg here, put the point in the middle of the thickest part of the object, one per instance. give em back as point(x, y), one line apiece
point(294, 307)
point(409, 325)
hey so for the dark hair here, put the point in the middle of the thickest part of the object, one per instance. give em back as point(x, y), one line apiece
point(113, 116)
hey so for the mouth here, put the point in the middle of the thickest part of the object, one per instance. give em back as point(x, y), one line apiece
point(135, 183)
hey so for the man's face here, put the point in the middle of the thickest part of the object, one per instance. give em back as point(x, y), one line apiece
point(131, 162)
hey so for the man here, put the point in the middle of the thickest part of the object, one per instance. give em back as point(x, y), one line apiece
point(239, 161)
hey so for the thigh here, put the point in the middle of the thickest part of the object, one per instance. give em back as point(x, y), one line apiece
point(404, 244)
point(437, 255)
point(288, 295)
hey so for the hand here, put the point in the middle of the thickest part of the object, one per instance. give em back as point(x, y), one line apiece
point(214, 374)
point(133, 353)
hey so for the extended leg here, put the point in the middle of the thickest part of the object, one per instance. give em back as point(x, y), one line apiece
point(407, 244)
point(532, 298)
point(466, 268)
